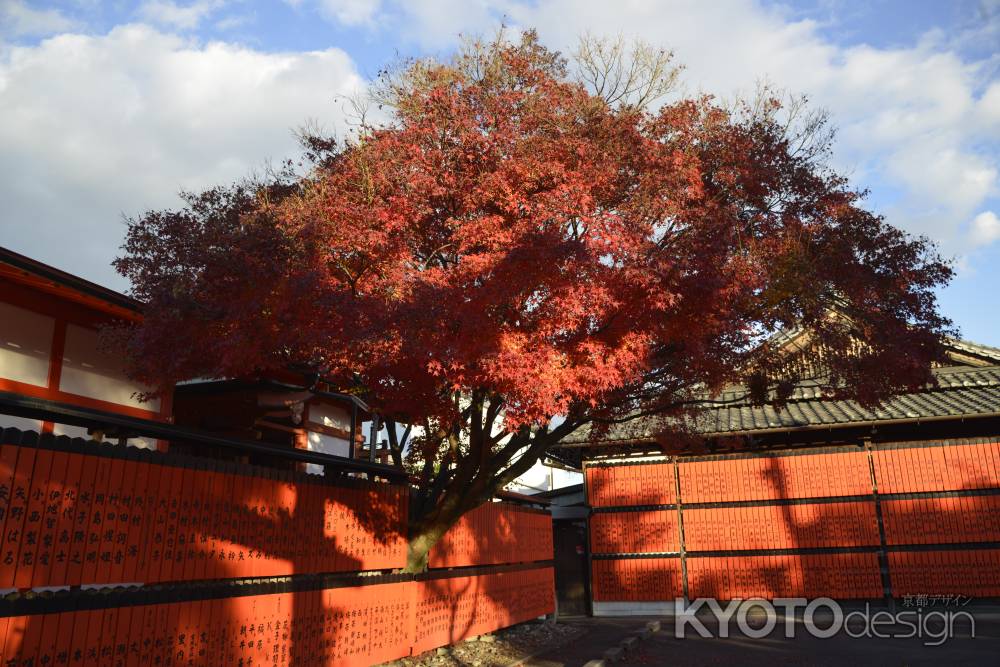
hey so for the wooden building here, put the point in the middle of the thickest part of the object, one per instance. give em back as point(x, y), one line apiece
point(276, 412)
point(51, 348)
point(115, 554)
point(50, 345)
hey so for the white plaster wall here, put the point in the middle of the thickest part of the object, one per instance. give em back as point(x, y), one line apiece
point(88, 370)
point(25, 345)
point(8, 421)
point(541, 477)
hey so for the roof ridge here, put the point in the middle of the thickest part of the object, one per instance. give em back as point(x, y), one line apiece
point(811, 392)
point(975, 348)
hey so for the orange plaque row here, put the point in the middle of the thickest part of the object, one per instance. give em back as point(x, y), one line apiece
point(493, 534)
point(645, 531)
point(637, 484)
point(72, 518)
point(945, 468)
point(850, 524)
point(942, 520)
point(974, 573)
point(841, 576)
point(356, 626)
point(637, 579)
point(775, 477)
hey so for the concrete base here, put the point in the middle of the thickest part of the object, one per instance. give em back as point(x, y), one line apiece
point(665, 608)
point(614, 654)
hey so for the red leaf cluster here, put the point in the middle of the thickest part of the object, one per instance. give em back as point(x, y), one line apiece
point(514, 234)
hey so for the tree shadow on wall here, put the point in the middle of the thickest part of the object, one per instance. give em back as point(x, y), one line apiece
point(849, 568)
point(840, 538)
point(215, 528)
point(458, 606)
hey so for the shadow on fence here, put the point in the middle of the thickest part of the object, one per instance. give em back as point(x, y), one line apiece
point(207, 562)
point(805, 524)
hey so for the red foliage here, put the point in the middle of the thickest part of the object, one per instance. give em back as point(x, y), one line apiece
point(515, 235)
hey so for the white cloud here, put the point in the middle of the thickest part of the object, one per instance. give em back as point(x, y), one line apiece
point(985, 228)
point(234, 21)
point(989, 110)
point(95, 126)
point(18, 19)
point(913, 119)
point(351, 12)
point(936, 171)
point(169, 13)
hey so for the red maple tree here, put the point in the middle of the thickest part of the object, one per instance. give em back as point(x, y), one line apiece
point(513, 256)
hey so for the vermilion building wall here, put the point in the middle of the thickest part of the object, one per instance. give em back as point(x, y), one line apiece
point(50, 348)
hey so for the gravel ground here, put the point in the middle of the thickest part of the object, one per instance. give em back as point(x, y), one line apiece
point(499, 649)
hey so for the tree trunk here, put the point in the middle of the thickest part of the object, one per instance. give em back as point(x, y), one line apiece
point(423, 536)
point(425, 531)
point(476, 479)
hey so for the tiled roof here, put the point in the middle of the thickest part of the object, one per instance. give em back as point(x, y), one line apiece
point(960, 351)
point(962, 391)
point(984, 352)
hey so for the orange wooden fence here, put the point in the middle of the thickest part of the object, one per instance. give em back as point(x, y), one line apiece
point(845, 522)
point(947, 572)
point(641, 531)
point(495, 533)
point(636, 580)
point(193, 547)
point(838, 575)
point(354, 625)
point(758, 527)
point(448, 609)
point(77, 512)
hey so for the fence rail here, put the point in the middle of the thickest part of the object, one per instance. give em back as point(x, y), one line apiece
point(125, 426)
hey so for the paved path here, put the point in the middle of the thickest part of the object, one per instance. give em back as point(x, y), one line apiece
point(774, 650)
point(600, 634)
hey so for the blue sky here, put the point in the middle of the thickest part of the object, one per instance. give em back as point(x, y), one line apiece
point(107, 109)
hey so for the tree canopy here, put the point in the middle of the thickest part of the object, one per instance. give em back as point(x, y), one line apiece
point(513, 255)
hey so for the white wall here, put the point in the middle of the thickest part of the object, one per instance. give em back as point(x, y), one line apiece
point(88, 370)
point(25, 345)
point(538, 478)
point(334, 417)
point(81, 432)
point(541, 477)
point(8, 421)
point(329, 415)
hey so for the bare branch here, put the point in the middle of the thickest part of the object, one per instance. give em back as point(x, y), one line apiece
point(634, 76)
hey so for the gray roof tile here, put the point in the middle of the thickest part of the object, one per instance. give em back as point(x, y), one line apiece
point(961, 391)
